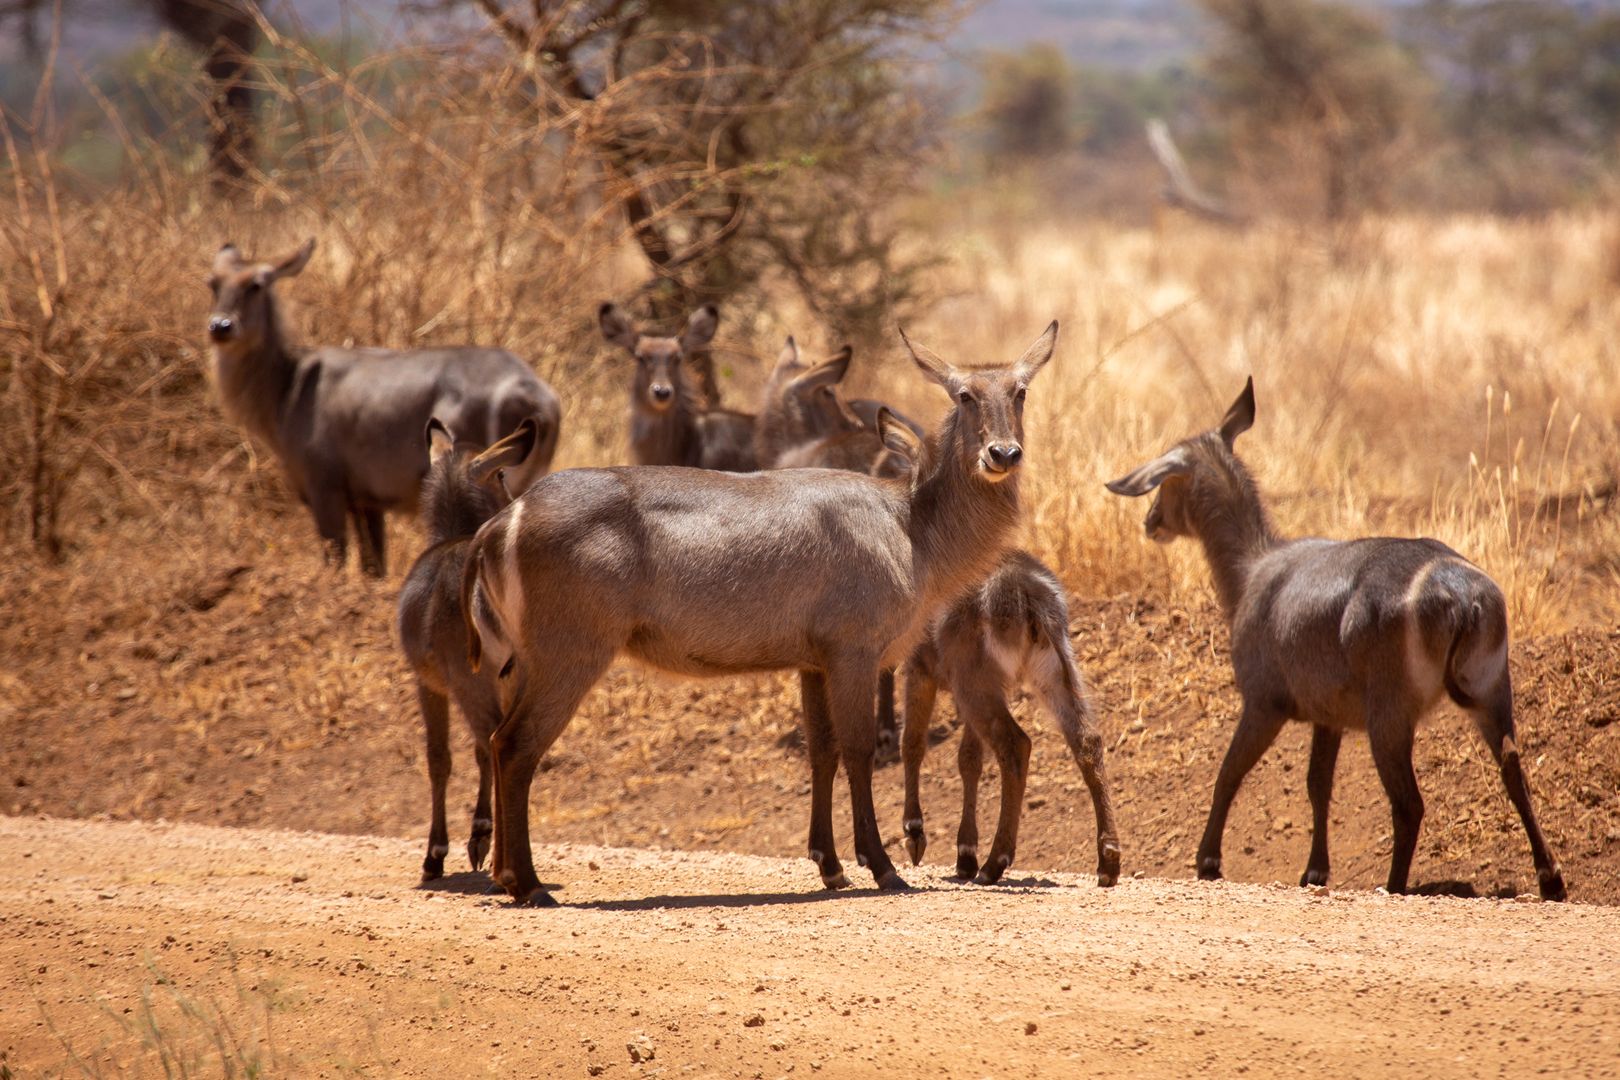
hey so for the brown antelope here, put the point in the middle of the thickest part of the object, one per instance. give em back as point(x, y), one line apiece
point(831, 573)
point(346, 424)
point(804, 422)
point(674, 418)
point(1355, 635)
point(1012, 630)
point(466, 485)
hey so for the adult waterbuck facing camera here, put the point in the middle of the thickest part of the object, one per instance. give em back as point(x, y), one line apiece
point(675, 418)
point(835, 574)
point(1350, 635)
point(466, 485)
point(346, 424)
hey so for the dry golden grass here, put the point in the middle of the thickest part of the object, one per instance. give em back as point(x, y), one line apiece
point(1444, 378)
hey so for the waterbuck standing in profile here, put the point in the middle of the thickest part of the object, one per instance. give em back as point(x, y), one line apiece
point(346, 424)
point(832, 573)
point(675, 418)
point(466, 485)
point(1353, 635)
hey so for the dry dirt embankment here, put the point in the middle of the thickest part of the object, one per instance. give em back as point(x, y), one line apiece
point(314, 955)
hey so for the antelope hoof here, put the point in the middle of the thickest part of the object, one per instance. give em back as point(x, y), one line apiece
point(494, 889)
point(1314, 876)
point(1552, 884)
point(1209, 868)
point(916, 842)
point(838, 880)
point(539, 898)
point(967, 863)
point(1108, 866)
point(478, 845)
point(890, 881)
point(992, 870)
point(432, 868)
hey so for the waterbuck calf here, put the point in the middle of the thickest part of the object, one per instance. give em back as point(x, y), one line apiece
point(466, 485)
point(346, 424)
point(674, 418)
point(699, 573)
point(1012, 630)
point(1351, 635)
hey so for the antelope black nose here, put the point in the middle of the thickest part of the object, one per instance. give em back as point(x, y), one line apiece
point(663, 393)
point(220, 327)
point(1004, 455)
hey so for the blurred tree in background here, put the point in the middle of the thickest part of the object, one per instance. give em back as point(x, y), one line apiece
point(1318, 85)
point(1028, 108)
point(744, 140)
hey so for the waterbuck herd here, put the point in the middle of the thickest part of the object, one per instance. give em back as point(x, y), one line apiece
point(838, 539)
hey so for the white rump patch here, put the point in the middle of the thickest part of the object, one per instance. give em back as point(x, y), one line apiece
point(512, 573)
point(1424, 670)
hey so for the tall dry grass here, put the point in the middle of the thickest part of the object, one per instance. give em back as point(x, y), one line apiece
point(1450, 378)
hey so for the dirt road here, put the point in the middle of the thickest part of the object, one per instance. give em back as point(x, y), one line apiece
point(125, 945)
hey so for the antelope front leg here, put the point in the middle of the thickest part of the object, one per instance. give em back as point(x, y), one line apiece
point(920, 691)
point(1319, 782)
point(331, 522)
point(823, 752)
point(850, 689)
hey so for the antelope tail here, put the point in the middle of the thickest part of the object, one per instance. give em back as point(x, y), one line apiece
point(469, 586)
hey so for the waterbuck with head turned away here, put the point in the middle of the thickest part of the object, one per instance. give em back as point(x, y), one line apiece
point(346, 424)
point(831, 573)
point(1353, 635)
point(674, 413)
point(804, 421)
point(466, 485)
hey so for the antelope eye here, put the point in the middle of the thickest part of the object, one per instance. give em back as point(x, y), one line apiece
point(964, 397)
point(1020, 395)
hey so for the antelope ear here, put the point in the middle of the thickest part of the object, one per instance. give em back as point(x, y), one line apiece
point(1036, 356)
point(291, 265)
point(788, 358)
point(507, 452)
point(897, 437)
point(837, 411)
point(700, 328)
point(1240, 417)
point(616, 326)
point(1151, 475)
point(439, 440)
point(827, 372)
point(227, 260)
point(932, 365)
